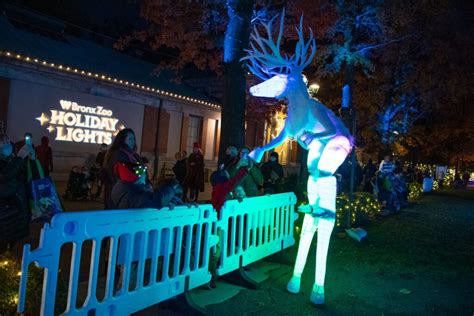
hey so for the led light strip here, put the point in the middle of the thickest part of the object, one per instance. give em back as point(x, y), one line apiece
point(104, 78)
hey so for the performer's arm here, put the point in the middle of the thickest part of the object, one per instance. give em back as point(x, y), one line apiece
point(258, 152)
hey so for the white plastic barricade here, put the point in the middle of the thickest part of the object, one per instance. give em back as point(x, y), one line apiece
point(158, 254)
point(255, 228)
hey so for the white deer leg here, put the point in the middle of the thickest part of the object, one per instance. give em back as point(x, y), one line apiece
point(332, 157)
point(307, 232)
point(327, 202)
point(310, 222)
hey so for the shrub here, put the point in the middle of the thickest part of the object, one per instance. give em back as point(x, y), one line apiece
point(415, 190)
point(10, 271)
point(364, 206)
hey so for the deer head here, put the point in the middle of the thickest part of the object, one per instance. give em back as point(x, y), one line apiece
point(280, 73)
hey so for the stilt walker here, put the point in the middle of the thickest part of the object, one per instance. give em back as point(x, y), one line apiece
point(316, 129)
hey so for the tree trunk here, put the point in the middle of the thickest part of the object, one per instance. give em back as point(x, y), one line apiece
point(233, 108)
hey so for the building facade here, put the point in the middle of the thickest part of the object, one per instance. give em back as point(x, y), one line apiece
point(80, 95)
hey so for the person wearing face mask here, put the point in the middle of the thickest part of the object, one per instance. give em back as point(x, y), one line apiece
point(231, 158)
point(14, 216)
point(272, 174)
point(253, 181)
point(123, 149)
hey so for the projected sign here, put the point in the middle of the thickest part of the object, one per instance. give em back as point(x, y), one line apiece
point(81, 124)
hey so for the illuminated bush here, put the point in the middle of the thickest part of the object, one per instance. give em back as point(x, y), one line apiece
point(365, 205)
point(449, 178)
point(435, 185)
point(415, 190)
point(10, 271)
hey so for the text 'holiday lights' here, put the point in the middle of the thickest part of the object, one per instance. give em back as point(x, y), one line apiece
point(81, 124)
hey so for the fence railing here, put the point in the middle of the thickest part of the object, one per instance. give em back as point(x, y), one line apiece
point(137, 258)
point(255, 228)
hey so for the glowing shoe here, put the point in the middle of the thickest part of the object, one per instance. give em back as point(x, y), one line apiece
point(294, 285)
point(317, 295)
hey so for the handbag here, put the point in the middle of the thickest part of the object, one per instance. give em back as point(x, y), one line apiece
point(44, 201)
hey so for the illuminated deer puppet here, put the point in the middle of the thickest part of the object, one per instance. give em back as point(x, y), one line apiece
point(316, 129)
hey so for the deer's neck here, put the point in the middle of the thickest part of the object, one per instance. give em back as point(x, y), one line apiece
point(298, 100)
point(297, 103)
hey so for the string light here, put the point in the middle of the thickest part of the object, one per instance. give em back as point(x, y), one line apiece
point(364, 204)
point(115, 80)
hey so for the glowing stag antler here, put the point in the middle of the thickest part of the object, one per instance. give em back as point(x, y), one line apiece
point(265, 58)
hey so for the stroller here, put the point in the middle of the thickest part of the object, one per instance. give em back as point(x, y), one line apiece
point(79, 185)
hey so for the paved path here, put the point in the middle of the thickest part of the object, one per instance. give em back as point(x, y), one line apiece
point(420, 262)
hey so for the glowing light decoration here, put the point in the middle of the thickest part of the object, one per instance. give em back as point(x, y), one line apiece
point(315, 128)
point(81, 124)
point(101, 77)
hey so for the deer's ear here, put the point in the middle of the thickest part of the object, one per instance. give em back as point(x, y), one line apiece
point(271, 88)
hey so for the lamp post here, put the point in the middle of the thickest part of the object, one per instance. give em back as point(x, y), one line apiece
point(313, 89)
point(347, 114)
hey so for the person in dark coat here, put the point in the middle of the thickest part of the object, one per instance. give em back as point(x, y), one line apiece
point(272, 174)
point(45, 155)
point(123, 149)
point(14, 215)
point(194, 180)
point(180, 167)
point(231, 157)
point(97, 169)
point(132, 190)
point(368, 176)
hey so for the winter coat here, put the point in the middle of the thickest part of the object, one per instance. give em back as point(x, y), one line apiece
point(44, 154)
point(12, 194)
point(99, 159)
point(108, 176)
point(195, 177)
point(180, 170)
point(126, 195)
point(220, 190)
point(251, 182)
point(272, 173)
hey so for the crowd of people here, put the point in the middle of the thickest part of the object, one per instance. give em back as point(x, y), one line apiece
point(389, 181)
point(120, 175)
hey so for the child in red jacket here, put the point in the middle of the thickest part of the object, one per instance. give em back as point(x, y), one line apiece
point(222, 186)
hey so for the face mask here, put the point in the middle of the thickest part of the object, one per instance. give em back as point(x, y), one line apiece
point(7, 150)
point(273, 159)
